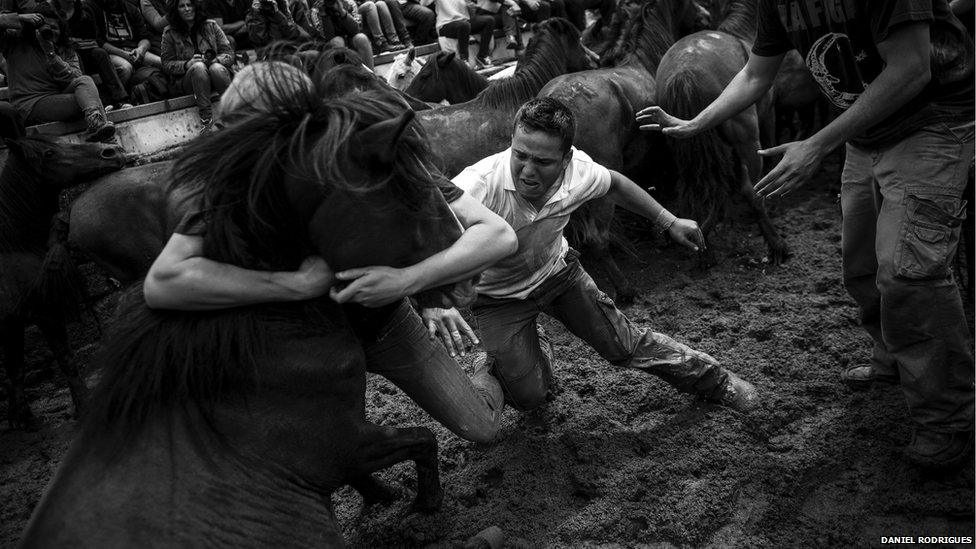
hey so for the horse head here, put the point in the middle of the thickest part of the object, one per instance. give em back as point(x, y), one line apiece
point(62, 165)
point(446, 78)
point(557, 32)
point(404, 69)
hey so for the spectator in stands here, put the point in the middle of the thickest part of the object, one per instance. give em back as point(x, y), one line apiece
point(270, 21)
point(197, 53)
point(537, 11)
point(231, 16)
point(385, 23)
point(123, 33)
point(83, 34)
point(504, 13)
point(419, 21)
point(454, 21)
point(45, 80)
point(336, 25)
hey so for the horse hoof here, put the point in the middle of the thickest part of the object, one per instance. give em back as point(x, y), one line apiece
point(380, 493)
point(428, 502)
point(779, 255)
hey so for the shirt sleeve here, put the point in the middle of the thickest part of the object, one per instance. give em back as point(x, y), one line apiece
point(771, 37)
point(887, 14)
point(590, 179)
point(471, 182)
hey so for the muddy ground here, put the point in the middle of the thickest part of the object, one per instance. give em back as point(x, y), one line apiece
point(618, 458)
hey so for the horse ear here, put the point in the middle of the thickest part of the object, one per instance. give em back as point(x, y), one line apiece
point(411, 53)
point(378, 142)
point(445, 59)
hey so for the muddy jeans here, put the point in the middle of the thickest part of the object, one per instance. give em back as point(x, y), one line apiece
point(522, 359)
point(422, 368)
point(902, 209)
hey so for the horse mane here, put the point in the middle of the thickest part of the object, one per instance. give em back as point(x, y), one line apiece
point(739, 19)
point(156, 360)
point(545, 59)
point(643, 40)
point(466, 79)
point(26, 205)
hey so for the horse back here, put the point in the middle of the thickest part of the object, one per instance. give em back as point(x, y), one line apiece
point(124, 219)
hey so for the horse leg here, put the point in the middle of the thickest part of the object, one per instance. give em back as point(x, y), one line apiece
point(57, 338)
point(707, 257)
point(779, 252)
point(386, 446)
point(374, 490)
point(19, 414)
point(599, 243)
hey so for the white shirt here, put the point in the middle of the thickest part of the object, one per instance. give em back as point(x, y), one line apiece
point(542, 246)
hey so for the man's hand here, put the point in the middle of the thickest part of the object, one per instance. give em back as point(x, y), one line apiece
point(687, 233)
point(655, 119)
point(373, 286)
point(801, 160)
point(313, 278)
point(450, 326)
point(197, 58)
point(532, 4)
point(34, 19)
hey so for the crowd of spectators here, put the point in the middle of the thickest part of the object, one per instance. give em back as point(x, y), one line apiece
point(147, 50)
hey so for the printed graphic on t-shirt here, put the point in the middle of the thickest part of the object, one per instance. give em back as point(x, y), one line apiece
point(117, 27)
point(837, 63)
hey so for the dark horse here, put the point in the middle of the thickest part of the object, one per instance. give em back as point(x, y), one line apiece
point(715, 165)
point(464, 133)
point(234, 427)
point(605, 100)
point(446, 78)
point(37, 278)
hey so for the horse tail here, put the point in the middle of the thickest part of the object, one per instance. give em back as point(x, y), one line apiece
point(706, 164)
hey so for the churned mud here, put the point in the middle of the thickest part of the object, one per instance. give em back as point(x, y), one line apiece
point(618, 458)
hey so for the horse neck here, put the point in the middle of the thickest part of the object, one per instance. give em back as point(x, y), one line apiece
point(26, 207)
point(644, 44)
point(470, 85)
point(740, 19)
point(540, 66)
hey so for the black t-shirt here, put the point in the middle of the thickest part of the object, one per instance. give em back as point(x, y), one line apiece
point(838, 40)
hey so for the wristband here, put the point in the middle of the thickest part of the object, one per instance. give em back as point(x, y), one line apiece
point(664, 220)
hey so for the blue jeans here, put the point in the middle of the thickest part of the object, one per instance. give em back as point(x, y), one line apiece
point(522, 358)
point(903, 209)
point(422, 368)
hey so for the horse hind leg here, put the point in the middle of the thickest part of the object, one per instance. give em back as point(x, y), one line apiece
point(57, 338)
point(374, 490)
point(19, 414)
point(386, 446)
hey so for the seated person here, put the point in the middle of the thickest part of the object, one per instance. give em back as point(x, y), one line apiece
point(419, 21)
point(385, 24)
point(45, 79)
point(197, 54)
point(270, 21)
point(336, 25)
point(122, 32)
point(454, 21)
point(504, 13)
point(230, 15)
point(83, 35)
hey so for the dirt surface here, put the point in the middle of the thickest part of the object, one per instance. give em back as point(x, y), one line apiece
point(618, 458)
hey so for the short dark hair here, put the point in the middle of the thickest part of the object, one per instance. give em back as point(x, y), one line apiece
point(548, 115)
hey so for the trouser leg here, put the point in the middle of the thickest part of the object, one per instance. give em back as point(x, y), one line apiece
point(922, 179)
point(422, 368)
point(99, 61)
point(197, 81)
point(484, 25)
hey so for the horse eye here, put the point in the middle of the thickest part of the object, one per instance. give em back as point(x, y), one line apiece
point(49, 153)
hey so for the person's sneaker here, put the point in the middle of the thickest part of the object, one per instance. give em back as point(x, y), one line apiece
point(408, 44)
point(511, 43)
point(98, 128)
point(482, 63)
point(939, 450)
point(395, 45)
point(864, 376)
point(738, 394)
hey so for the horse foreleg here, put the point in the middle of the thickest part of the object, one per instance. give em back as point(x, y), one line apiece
point(599, 245)
point(57, 338)
point(386, 446)
point(19, 414)
point(779, 252)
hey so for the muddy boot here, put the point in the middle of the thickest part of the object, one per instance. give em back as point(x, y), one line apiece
point(737, 394)
point(99, 128)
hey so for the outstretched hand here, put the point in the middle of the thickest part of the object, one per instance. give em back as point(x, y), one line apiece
point(657, 120)
point(687, 233)
point(450, 326)
point(800, 162)
point(372, 286)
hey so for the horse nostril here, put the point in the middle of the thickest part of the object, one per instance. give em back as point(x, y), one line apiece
point(110, 153)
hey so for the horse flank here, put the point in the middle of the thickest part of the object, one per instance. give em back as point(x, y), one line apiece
point(544, 60)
